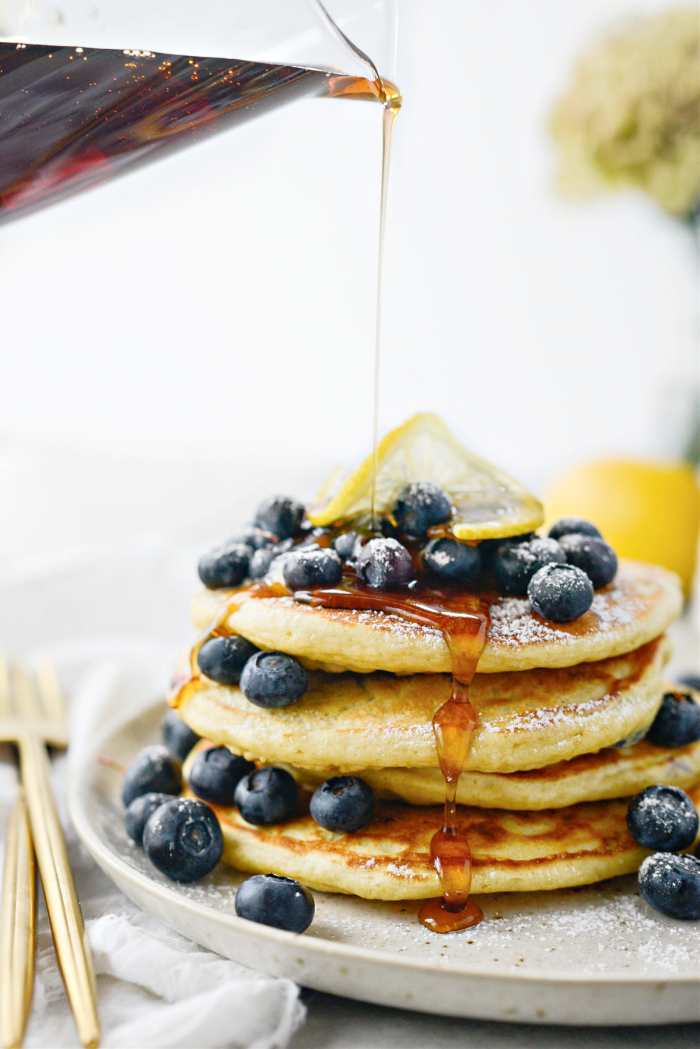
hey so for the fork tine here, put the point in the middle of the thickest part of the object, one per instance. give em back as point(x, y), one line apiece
point(5, 708)
point(23, 693)
point(50, 692)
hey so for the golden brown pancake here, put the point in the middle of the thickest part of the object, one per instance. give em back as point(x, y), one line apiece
point(527, 719)
point(637, 607)
point(389, 859)
point(611, 773)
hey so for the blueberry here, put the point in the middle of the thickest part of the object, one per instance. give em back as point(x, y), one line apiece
point(222, 658)
point(280, 902)
point(178, 737)
point(663, 819)
point(514, 564)
point(226, 566)
point(592, 555)
point(364, 527)
point(419, 506)
point(488, 547)
point(631, 740)
point(273, 679)
point(384, 562)
point(252, 537)
point(560, 593)
point(567, 525)
point(261, 560)
point(266, 796)
point(153, 769)
point(451, 561)
point(671, 884)
point(677, 722)
point(690, 681)
point(281, 516)
point(312, 567)
point(343, 804)
point(216, 773)
point(140, 810)
point(183, 839)
point(344, 544)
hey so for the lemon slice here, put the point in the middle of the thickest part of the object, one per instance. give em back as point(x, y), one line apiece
point(488, 503)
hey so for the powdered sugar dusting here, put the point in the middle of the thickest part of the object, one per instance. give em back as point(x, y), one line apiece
point(513, 622)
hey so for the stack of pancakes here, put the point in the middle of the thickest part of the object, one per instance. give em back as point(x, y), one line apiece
point(557, 752)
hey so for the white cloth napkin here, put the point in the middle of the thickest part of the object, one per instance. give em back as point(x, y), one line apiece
point(113, 623)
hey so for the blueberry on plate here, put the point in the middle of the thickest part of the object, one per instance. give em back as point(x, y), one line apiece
point(343, 804)
point(384, 563)
point(139, 812)
point(216, 773)
point(592, 555)
point(273, 679)
point(266, 796)
point(419, 506)
point(261, 560)
point(153, 769)
point(227, 566)
point(560, 593)
point(671, 884)
point(222, 658)
point(690, 681)
point(183, 839)
point(677, 722)
point(663, 819)
point(178, 737)
point(451, 561)
point(514, 564)
point(271, 900)
point(312, 566)
point(568, 525)
point(280, 516)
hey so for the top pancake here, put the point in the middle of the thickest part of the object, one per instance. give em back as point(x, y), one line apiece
point(636, 607)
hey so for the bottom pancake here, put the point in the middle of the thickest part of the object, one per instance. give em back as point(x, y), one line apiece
point(389, 859)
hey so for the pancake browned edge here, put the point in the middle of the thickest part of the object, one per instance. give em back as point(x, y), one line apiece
point(389, 859)
point(631, 611)
point(527, 719)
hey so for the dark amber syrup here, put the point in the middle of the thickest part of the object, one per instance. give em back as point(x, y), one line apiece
point(463, 619)
point(72, 117)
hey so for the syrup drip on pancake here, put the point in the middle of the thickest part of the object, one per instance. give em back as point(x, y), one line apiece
point(464, 621)
point(189, 680)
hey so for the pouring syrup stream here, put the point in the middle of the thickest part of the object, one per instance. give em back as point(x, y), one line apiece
point(463, 619)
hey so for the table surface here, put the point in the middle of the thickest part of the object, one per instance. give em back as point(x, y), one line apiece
point(338, 1023)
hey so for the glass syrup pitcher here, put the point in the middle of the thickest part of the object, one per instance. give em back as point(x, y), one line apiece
point(95, 89)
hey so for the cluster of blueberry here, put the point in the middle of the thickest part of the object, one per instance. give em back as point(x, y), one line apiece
point(558, 573)
point(664, 818)
point(182, 836)
point(269, 795)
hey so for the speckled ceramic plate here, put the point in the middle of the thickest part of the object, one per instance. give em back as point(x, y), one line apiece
point(594, 955)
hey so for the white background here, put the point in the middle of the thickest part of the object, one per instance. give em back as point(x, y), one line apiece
point(182, 341)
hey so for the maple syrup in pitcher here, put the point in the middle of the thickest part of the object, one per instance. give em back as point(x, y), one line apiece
point(72, 117)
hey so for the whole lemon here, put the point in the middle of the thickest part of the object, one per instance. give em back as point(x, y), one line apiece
point(647, 511)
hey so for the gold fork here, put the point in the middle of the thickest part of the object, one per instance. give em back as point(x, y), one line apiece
point(32, 716)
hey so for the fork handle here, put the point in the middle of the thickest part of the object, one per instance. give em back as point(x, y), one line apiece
point(18, 930)
point(72, 947)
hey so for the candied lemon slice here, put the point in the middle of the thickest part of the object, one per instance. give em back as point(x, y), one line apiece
point(488, 503)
